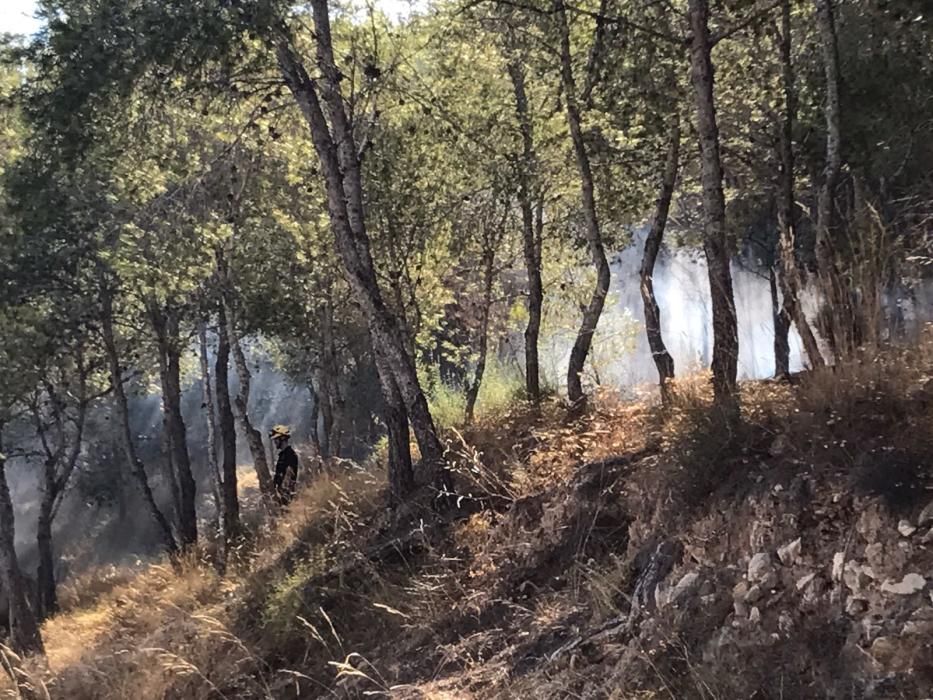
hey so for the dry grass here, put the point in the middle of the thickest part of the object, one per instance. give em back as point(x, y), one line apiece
point(319, 605)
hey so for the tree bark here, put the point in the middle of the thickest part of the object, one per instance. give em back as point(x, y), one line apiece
point(715, 243)
point(489, 261)
point(401, 476)
point(24, 631)
point(836, 296)
point(662, 358)
point(788, 265)
point(340, 166)
point(531, 230)
point(231, 509)
point(330, 385)
point(166, 327)
point(315, 417)
point(241, 410)
point(207, 398)
point(594, 309)
point(126, 432)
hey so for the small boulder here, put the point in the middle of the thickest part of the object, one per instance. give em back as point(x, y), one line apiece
point(739, 591)
point(686, 587)
point(839, 559)
point(803, 581)
point(789, 554)
point(754, 594)
point(905, 528)
point(754, 616)
point(856, 606)
point(910, 584)
point(759, 567)
point(926, 515)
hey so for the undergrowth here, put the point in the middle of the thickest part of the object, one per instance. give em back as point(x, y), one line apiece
point(342, 597)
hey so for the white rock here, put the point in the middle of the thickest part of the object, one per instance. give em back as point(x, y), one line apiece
point(839, 559)
point(754, 615)
point(926, 515)
point(910, 584)
point(905, 528)
point(856, 606)
point(803, 581)
point(754, 594)
point(789, 554)
point(759, 567)
point(685, 587)
point(739, 591)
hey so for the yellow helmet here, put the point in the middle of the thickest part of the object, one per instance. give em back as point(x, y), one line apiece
point(280, 431)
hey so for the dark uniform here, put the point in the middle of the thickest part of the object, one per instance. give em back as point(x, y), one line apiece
point(286, 474)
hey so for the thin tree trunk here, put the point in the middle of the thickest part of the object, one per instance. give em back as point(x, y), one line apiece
point(340, 166)
point(24, 631)
point(330, 384)
point(489, 261)
point(166, 328)
point(126, 432)
point(241, 411)
point(327, 416)
point(231, 509)
point(401, 476)
point(790, 276)
point(207, 398)
point(781, 320)
point(47, 598)
point(835, 294)
point(662, 358)
point(315, 417)
point(594, 309)
point(531, 234)
point(715, 243)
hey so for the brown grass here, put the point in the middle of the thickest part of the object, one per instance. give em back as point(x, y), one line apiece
point(317, 602)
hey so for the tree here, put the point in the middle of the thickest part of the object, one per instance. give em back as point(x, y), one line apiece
point(593, 234)
point(715, 243)
point(662, 358)
point(25, 632)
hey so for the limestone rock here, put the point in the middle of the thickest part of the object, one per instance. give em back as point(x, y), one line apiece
point(926, 515)
point(739, 591)
point(803, 581)
point(759, 567)
point(856, 606)
point(905, 528)
point(686, 587)
point(754, 594)
point(884, 649)
point(755, 615)
point(838, 562)
point(857, 576)
point(910, 584)
point(789, 554)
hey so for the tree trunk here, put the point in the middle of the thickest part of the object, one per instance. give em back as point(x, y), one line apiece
point(662, 358)
point(241, 410)
point(781, 319)
point(836, 297)
point(166, 326)
point(331, 383)
point(24, 631)
point(340, 166)
point(327, 416)
point(489, 261)
point(315, 417)
point(207, 398)
point(231, 509)
point(715, 243)
point(594, 309)
point(531, 231)
point(47, 598)
point(401, 476)
point(126, 432)
point(789, 268)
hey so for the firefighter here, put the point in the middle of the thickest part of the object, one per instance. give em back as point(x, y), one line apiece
point(286, 466)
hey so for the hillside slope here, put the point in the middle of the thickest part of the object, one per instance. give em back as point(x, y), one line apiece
point(619, 556)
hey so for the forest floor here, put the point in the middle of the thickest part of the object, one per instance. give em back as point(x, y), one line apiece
point(624, 554)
